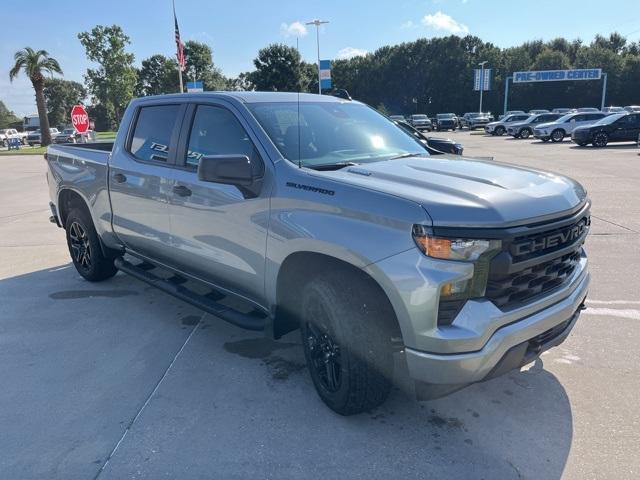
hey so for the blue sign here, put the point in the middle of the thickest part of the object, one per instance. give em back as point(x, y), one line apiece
point(197, 86)
point(482, 79)
point(557, 75)
point(325, 74)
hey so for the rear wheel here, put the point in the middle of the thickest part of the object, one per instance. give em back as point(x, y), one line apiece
point(600, 140)
point(557, 135)
point(346, 343)
point(525, 133)
point(85, 249)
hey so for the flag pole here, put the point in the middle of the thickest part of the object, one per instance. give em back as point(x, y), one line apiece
point(178, 40)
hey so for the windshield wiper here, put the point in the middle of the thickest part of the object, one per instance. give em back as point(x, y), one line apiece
point(407, 155)
point(331, 166)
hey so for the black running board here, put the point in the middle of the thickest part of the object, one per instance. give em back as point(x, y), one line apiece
point(249, 321)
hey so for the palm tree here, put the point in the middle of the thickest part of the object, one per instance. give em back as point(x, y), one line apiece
point(35, 63)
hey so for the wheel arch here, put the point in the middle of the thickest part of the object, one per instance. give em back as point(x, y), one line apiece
point(299, 268)
point(68, 199)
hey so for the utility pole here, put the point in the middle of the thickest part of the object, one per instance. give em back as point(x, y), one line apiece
point(482, 64)
point(317, 23)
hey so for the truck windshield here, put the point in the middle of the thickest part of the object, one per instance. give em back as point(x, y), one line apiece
point(332, 133)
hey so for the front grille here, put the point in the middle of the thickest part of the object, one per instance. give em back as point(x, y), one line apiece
point(519, 288)
point(531, 266)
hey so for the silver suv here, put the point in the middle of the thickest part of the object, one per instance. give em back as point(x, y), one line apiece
point(500, 127)
point(564, 126)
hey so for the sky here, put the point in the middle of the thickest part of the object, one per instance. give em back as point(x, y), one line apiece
point(237, 30)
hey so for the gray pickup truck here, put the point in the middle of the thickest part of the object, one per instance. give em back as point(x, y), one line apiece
point(278, 211)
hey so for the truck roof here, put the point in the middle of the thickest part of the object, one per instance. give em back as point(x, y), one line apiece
point(249, 97)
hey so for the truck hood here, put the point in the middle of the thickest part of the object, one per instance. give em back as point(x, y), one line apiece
point(458, 191)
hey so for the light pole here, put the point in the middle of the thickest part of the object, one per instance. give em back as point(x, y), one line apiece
point(317, 23)
point(482, 64)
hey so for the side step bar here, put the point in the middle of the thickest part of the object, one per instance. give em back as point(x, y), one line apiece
point(249, 321)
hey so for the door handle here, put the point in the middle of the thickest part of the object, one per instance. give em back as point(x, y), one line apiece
point(182, 191)
point(120, 178)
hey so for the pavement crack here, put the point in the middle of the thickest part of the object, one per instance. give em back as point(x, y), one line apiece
point(147, 400)
point(614, 223)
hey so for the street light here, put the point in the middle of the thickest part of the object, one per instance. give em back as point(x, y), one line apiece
point(317, 23)
point(482, 64)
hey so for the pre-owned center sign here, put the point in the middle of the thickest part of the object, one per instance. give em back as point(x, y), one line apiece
point(557, 75)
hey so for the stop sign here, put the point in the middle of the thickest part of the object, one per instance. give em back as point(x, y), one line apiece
point(80, 119)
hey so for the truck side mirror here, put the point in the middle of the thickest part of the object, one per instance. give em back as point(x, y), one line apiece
point(237, 170)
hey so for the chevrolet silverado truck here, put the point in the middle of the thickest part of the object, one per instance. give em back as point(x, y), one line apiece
point(284, 211)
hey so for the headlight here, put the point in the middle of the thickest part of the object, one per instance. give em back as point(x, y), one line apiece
point(476, 251)
point(451, 249)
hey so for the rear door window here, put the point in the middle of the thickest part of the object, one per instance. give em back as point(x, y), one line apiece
point(154, 128)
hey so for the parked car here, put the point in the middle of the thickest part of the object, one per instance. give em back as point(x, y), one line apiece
point(446, 121)
point(562, 127)
point(361, 241)
point(538, 111)
point(8, 133)
point(525, 128)
point(563, 110)
point(35, 137)
point(587, 110)
point(500, 127)
point(473, 120)
point(632, 108)
point(511, 112)
point(609, 110)
point(617, 127)
point(421, 122)
point(68, 135)
point(434, 145)
point(399, 118)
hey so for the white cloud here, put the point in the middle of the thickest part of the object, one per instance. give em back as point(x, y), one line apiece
point(408, 25)
point(442, 21)
point(350, 52)
point(295, 29)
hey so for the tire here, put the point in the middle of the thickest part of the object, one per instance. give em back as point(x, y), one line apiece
point(600, 139)
point(499, 131)
point(346, 342)
point(557, 135)
point(85, 249)
point(525, 133)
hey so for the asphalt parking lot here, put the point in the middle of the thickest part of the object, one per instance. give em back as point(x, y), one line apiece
point(118, 380)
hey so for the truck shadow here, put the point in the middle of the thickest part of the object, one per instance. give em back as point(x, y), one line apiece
point(237, 399)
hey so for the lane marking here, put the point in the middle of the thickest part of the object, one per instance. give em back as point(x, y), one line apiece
point(614, 302)
point(613, 312)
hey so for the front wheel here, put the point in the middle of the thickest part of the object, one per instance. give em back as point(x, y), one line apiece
point(85, 249)
point(500, 131)
point(600, 140)
point(346, 344)
point(525, 133)
point(557, 136)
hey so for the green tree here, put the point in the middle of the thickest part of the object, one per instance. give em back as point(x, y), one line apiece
point(112, 84)
point(199, 66)
point(157, 75)
point(35, 64)
point(7, 117)
point(61, 95)
point(278, 68)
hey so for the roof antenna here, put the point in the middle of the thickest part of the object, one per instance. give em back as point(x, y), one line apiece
point(299, 147)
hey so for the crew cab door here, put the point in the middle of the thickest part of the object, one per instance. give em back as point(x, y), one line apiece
point(219, 231)
point(140, 180)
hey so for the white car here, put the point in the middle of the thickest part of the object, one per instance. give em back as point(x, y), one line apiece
point(500, 127)
point(564, 126)
point(7, 133)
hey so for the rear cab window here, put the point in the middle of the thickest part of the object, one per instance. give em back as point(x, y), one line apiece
point(151, 138)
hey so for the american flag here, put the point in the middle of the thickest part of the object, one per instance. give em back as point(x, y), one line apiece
point(179, 44)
